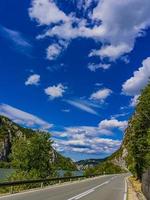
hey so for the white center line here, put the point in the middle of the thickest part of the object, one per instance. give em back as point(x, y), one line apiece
point(79, 196)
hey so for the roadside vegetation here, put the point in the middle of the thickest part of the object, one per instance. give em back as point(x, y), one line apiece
point(137, 139)
point(104, 168)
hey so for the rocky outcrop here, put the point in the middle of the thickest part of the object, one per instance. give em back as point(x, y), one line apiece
point(120, 160)
point(8, 131)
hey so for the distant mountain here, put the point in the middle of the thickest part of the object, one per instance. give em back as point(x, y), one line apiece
point(9, 131)
point(88, 163)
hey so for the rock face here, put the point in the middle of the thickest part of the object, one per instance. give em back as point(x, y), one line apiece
point(120, 159)
point(10, 131)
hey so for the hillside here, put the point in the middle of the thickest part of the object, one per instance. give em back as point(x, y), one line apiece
point(84, 164)
point(10, 131)
point(134, 153)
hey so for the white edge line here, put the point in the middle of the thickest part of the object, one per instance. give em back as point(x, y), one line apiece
point(125, 193)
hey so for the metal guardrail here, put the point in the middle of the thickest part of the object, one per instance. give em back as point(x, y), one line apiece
point(146, 184)
point(59, 180)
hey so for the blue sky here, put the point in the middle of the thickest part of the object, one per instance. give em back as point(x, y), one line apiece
point(74, 68)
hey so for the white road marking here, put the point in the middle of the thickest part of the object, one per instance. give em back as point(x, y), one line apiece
point(79, 196)
point(49, 187)
point(125, 193)
point(56, 186)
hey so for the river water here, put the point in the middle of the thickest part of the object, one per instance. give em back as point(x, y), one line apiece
point(5, 173)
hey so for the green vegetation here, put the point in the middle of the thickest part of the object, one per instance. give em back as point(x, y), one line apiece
point(137, 139)
point(31, 156)
point(134, 152)
point(5, 164)
point(64, 163)
point(108, 168)
point(105, 167)
point(29, 152)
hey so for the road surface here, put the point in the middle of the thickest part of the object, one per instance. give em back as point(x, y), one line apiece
point(111, 187)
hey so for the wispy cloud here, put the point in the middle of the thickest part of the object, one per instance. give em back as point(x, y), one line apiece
point(23, 118)
point(65, 110)
point(17, 40)
point(82, 105)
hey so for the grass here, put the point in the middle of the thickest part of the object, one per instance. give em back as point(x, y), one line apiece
point(135, 184)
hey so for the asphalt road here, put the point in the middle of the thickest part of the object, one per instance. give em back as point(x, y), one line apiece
point(101, 188)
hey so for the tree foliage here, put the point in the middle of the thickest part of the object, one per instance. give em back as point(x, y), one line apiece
point(105, 167)
point(138, 136)
point(31, 155)
point(64, 163)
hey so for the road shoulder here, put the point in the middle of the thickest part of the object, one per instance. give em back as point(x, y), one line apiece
point(134, 189)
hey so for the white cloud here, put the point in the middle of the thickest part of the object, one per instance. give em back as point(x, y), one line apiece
point(94, 67)
point(134, 101)
point(23, 118)
point(89, 131)
point(82, 105)
point(46, 12)
point(90, 139)
point(54, 50)
point(120, 28)
point(117, 30)
point(119, 115)
point(113, 123)
point(95, 146)
point(85, 139)
point(111, 51)
point(98, 84)
point(101, 94)
point(55, 91)
point(33, 80)
point(16, 39)
point(139, 80)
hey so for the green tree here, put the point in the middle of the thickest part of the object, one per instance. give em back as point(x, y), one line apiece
point(32, 155)
point(138, 135)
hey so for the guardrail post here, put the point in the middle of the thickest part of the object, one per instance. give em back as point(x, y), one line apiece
point(11, 190)
point(41, 184)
